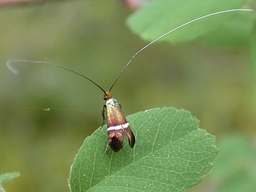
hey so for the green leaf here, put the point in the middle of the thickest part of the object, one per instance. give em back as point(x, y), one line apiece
point(160, 16)
point(171, 154)
point(8, 176)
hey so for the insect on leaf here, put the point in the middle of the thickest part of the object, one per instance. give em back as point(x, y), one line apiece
point(171, 154)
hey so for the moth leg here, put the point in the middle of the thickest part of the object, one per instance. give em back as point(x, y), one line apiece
point(107, 147)
point(103, 113)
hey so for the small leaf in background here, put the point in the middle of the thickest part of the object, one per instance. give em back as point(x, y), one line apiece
point(7, 177)
point(171, 154)
point(160, 16)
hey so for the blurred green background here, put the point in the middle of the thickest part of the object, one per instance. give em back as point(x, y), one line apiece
point(217, 85)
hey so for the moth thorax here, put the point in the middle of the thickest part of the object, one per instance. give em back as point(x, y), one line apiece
point(111, 102)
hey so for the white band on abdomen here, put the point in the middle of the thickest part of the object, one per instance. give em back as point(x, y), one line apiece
point(118, 127)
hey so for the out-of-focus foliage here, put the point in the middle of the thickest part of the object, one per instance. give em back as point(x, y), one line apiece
point(234, 169)
point(225, 29)
point(216, 85)
point(7, 177)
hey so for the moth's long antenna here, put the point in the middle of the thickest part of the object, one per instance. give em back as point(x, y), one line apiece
point(14, 70)
point(168, 32)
